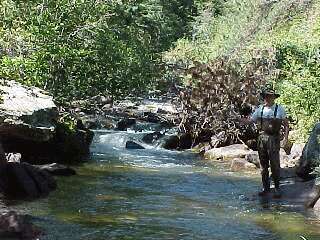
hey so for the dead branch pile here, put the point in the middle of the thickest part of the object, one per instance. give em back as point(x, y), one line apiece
point(219, 94)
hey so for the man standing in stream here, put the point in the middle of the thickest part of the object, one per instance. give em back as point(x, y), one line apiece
point(270, 117)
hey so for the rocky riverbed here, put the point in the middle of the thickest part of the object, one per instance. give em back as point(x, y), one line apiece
point(32, 132)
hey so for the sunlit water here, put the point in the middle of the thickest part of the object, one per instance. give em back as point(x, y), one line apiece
point(160, 194)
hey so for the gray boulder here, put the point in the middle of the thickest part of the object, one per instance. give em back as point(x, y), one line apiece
point(228, 152)
point(310, 158)
point(26, 112)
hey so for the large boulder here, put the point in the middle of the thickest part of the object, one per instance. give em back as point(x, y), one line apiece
point(29, 126)
point(228, 152)
point(24, 181)
point(26, 112)
point(310, 158)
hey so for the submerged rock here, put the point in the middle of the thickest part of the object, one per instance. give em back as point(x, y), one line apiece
point(133, 145)
point(57, 169)
point(17, 226)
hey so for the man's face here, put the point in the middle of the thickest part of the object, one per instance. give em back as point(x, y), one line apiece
point(269, 98)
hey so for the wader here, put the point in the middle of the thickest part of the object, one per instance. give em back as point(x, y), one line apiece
point(269, 149)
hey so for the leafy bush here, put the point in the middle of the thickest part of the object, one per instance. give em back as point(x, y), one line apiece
point(299, 82)
point(82, 48)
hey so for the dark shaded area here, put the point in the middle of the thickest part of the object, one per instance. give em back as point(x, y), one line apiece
point(65, 147)
point(126, 123)
point(17, 226)
point(151, 138)
point(24, 181)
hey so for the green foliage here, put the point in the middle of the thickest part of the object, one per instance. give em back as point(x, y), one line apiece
point(67, 124)
point(82, 48)
point(299, 81)
point(290, 28)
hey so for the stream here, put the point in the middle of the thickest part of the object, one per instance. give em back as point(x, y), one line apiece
point(160, 194)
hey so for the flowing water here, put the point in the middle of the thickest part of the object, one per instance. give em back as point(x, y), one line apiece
point(159, 194)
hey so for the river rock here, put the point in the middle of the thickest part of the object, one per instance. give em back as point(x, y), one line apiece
point(23, 181)
point(174, 142)
point(170, 142)
point(253, 157)
point(57, 169)
point(284, 159)
point(241, 164)
point(310, 158)
point(150, 138)
point(228, 152)
point(126, 123)
point(17, 226)
point(185, 141)
point(133, 145)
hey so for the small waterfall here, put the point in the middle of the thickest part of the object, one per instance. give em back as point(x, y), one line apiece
point(110, 146)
